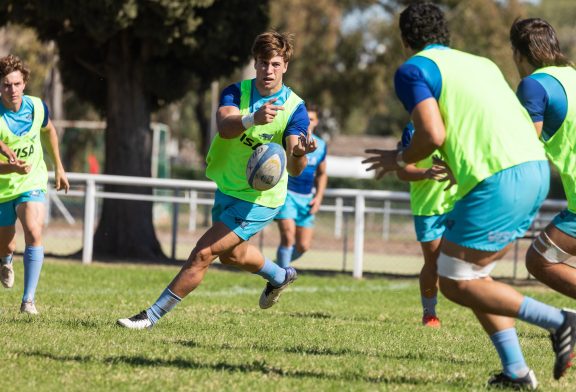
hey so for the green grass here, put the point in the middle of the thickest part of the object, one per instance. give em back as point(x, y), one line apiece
point(328, 333)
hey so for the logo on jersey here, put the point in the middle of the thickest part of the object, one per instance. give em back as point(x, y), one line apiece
point(267, 136)
point(248, 141)
point(24, 152)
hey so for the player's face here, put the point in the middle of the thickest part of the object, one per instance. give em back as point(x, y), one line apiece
point(12, 88)
point(269, 73)
point(313, 116)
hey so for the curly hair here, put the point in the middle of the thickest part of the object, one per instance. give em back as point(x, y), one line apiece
point(11, 63)
point(536, 40)
point(422, 24)
point(273, 43)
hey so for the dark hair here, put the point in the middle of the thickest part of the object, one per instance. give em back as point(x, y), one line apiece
point(536, 40)
point(11, 64)
point(422, 24)
point(312, 107)
point(273, 43)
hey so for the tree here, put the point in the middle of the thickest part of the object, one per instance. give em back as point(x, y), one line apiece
point(129, 58)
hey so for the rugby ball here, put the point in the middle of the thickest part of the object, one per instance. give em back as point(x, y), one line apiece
point(266, 166)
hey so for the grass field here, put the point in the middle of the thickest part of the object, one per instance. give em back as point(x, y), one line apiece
point(328, 333)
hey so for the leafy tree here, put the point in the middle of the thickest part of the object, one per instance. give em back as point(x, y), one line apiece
point(129, 58)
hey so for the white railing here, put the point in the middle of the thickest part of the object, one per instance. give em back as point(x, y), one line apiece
point(191, 188)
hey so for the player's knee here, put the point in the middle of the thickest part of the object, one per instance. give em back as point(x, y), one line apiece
point(202, 256)
point(302, 248)
point(9, 248)
point(234, 257)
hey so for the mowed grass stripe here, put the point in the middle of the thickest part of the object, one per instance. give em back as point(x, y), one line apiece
point(328, 333)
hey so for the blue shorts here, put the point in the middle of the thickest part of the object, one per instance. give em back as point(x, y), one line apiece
point(8, 209)
point(242, 217)
point(499, 209)
point(429, 228)
point(297, 207)
point(565, 221)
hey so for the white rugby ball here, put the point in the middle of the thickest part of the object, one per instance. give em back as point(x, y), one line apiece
point(266, 166)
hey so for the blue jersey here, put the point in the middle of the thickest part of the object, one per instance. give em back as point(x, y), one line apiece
point(545, 100)
point(20, 122)
point(418, 79)
point(298, 123)
point(304, 183)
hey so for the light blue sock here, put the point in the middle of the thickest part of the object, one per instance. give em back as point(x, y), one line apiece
point(296, 255)
point(540, 314)
point(272, 273)
point(165, 303)
point(284, 256)
point(6, 259)
point(33, 258)
point(429, 305)
point(508, 347)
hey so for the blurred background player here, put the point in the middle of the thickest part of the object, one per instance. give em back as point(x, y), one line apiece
point(430, 201)
point(25, 128)
point(305, 194)
point(548, 80)
point(461, 105)
point(251, 113)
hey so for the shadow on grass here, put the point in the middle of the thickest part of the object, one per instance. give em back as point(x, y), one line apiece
point(253, 367)
point(329, 351)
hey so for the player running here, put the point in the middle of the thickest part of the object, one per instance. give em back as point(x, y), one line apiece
point(490, 145)
point(25, 128)
point(548, 80)
point(305, 194)
point(251, 113)
point(430, 200)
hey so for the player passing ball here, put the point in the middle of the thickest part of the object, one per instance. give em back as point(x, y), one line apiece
point(251, 113)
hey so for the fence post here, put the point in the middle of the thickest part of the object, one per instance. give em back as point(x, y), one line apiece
point(386, 221)
point(193, 206)
point(175, 210)
point(359, 235)
point(89, 218)
point(338, 212)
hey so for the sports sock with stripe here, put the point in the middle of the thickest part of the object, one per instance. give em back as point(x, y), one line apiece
point(165, 303)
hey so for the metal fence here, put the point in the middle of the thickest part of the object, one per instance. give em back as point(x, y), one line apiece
point(359, 203)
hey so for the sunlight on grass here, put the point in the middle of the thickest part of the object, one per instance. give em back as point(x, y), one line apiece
point(328, 333)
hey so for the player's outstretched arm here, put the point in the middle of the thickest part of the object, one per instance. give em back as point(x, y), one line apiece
point(50, 142)
point(296, 149)
point(412, 173)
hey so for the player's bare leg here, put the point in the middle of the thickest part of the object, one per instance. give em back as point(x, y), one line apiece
point(429, 282)
point(557, 275)
point(7, 247)
point(287, 229)
point(494, 303)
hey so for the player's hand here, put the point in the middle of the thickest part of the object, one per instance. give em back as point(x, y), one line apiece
point(306, 144)
point(8, 153)
point(384, 161)
point(61, 181)
point(314, 205)
point(267, 112)
point(441, 172)
point(20, 167)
